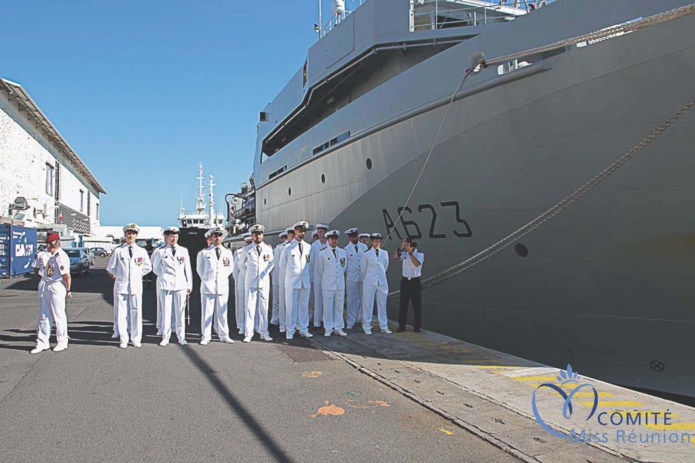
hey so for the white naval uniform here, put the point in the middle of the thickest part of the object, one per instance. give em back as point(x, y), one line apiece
point(353, 282)
point(127, 289)
point(280, 265)
point(240, 289)
point(297, 286)
point(214, 275)
point(331, 264)
point(316, 293)
point(53, 300)
point(259, 263)
point(275, 281)
point(173, 271)
point(374, 283)
point(40, 262)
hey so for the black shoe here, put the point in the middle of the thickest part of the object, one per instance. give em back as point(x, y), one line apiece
point(417, 330)
point(400, 330)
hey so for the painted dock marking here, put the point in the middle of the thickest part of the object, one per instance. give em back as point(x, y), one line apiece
point(328, 410)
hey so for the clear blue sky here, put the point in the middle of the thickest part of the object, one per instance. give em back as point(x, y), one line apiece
point(144, 90)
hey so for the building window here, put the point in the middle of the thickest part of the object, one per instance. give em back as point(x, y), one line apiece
point(57, 181)
point(97, 212)
point(50, 176)
point(81, 200)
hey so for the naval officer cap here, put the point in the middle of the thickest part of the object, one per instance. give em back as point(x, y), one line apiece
point(171, 231)
point(131, 227)
point(247, 236)
point(289, 230)
point(258, 228)
point(352, 231)
point(218, 231)
point(301, 225)
point(333, 234)
point(208, 233)
point(376, 236)
point(315, 234)
point(283, 234)
point(321, 226)
point(364, 235)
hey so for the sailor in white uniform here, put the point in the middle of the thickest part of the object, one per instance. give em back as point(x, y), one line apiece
point(214, 265)
point(208, 243)
point(275, 317)
point(364, 239)
point(280, 265)
point(127, 266)
point(297, 283)
point(240, 285)
point(56, 288)
point(353, 284)
point(316, 299)
point(331, 264)
point(40, 261)
point(173, 269)
point(259, 264)
point(373, 266)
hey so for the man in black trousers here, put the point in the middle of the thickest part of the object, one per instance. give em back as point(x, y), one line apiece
point(410, 283)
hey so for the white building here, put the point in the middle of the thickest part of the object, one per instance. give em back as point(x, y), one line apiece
point(42, 180)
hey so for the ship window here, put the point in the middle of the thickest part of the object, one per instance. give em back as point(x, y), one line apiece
point(289, 192)
point(277, 172)
point(521, 250)
point(369, 164)
point(265, 201)
point(323, 178)
point(332, 142)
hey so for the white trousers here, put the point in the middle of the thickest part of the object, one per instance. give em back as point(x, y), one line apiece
point(318, 303)
point(115, 312)
point(282, 317)
point(333, 309)
point(52, 310)
point(256, 311)
point(213, 312)
point(173, 303)
point(159, 308)
point(275, 315)
point(129, 312)
point(368, 295)
point(297, 309)
point(354, 302)
point(240, 305)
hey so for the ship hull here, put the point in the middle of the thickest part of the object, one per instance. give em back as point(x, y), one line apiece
point(605, 284)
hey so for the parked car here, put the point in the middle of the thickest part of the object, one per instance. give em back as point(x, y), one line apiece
point(90, 255)
point(101, 252)
point(79, 261)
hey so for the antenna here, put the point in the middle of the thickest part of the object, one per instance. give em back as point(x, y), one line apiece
point(320, 21)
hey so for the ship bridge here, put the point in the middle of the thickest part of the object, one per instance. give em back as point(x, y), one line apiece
point(361, 50)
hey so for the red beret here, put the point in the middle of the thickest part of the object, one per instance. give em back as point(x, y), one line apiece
point(52, 237)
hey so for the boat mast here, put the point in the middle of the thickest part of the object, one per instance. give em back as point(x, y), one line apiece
point(320, 21)
point(212, 203)
point(200, 207)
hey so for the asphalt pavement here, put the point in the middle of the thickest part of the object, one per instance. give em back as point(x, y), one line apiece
point(258, 402)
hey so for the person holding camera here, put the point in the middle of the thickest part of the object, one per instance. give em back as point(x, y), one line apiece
point(412, 260)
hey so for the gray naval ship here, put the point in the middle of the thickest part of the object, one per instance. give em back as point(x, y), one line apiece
point(379, 129)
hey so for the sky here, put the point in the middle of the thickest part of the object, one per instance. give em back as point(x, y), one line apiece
point(145, 90)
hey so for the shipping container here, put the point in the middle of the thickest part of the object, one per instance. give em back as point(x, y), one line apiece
point(17, 250)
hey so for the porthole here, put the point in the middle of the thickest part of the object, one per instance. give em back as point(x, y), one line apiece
point(323, 178)
point(265, 201)
point(369, 164)
point(521, 250)
point(289, 192)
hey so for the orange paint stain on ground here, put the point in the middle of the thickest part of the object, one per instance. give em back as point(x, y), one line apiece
point(331, 410)
point(311, 374)
point(379, 403)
